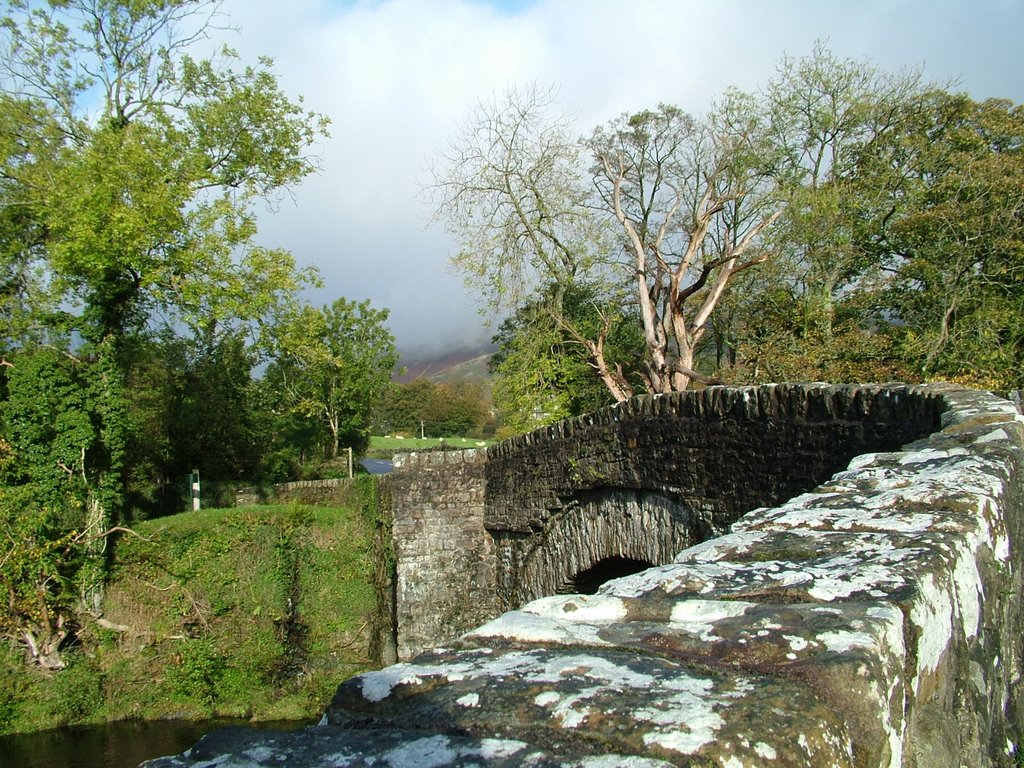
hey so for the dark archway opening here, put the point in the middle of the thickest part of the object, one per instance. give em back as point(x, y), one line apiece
point(587, 582)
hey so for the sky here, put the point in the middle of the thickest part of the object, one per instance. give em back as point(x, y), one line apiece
point(397, 77)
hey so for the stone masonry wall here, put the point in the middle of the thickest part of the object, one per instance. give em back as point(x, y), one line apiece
point(445, 564)
point(327, 492)
point(721, 451)
point(874, 620)
point(643, 479)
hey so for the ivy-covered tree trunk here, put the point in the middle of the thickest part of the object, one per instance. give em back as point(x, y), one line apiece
point(58, 488)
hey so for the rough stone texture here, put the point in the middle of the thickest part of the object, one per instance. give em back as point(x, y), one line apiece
point(642, 480)
point(621, 523)
point(327, 492)
point(325, 746)
point(873, 621)
point(718, 451)
point(445, 571)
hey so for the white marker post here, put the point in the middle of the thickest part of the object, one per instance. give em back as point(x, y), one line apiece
point(194, 479)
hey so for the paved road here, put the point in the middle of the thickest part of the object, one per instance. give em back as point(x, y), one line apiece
point(377, 466)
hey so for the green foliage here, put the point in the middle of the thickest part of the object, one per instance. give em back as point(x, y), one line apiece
point(13, 687)
point(40, 569)
point(146, 205)
point(333, 365)
point(445, 409)
point(880, 219)
point(62, 418)
point(198, 676)
point(951, 233)
point(810, 313)
point(256, 612)
point(130, 172)
point(544, 373)
point(899, 255)
point(76, 693)
point(208, 414)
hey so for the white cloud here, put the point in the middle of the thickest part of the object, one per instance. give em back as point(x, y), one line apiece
point(396, 76)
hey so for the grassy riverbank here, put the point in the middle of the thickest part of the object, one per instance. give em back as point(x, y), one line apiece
point(254, 612)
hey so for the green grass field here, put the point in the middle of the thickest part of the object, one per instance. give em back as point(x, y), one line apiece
point(390, 443)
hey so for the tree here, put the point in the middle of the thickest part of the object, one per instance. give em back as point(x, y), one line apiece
point(692, 198)
point(54, 487)
point(545, 373)
point(146, 205)
point(688, 200)
point(950, 233)
point(438, 409)
point(130, 171)
point(826, 110)
point(814, 312)
point(513, 188)
point(334, 364)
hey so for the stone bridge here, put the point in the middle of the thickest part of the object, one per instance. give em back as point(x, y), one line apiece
point(477, 533)
point(829, 576)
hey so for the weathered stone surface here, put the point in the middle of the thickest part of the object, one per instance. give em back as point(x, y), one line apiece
point(577, 702)
point(328, 747)
point(873, 621)
point(324, 492)
point(641, 480)
point(445, 577)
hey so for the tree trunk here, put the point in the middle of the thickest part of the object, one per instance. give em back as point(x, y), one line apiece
point(94, 568)
point(335, 440)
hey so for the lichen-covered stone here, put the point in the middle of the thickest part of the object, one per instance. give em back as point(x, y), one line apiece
point(479, 535)
point(575, 701)
point(328, 747)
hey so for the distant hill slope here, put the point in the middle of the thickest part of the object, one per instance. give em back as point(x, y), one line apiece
point(463, 365)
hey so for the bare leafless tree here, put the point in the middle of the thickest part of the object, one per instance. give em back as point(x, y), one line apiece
point(659, 203)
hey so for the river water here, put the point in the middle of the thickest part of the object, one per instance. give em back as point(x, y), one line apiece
point(115, 745)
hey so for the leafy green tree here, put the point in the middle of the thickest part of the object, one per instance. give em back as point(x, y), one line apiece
point(334, 365)
point(439, 409)
point(950, 232)
point(405, 406)
point(56, 483)
point(212, 421)
point(543, 370)
point(147, 201)
point(460, 408)
point(130, 172)
point(826, 111)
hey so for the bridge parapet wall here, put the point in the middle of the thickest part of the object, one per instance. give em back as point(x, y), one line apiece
point(721, 451)
point(873, 621)
point(476, 531)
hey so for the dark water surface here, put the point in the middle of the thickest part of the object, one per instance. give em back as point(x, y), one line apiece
point(114, 745)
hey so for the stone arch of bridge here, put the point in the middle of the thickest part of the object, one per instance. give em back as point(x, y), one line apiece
point(627, 528)
point(588, 581)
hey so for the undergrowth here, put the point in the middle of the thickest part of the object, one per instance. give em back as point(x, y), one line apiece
point(256, 612)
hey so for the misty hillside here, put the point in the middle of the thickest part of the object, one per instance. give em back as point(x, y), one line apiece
point(462, 365)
